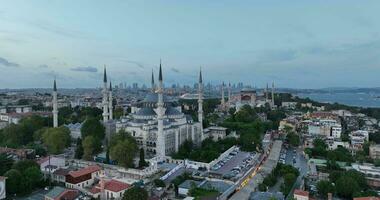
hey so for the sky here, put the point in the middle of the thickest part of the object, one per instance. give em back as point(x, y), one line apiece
point(295, 43)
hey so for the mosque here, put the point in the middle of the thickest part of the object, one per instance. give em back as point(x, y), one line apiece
point(158, 123)
point(246, 96)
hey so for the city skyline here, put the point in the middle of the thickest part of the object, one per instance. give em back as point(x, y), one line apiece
point(296, 44)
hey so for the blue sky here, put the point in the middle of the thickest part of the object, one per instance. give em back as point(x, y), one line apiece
point(299, 44)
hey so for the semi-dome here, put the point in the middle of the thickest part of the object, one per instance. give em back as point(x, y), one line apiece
point(147, 111)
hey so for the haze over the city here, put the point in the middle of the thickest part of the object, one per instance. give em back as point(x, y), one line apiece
point(297, 44)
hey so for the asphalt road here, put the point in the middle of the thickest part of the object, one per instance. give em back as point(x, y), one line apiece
point(263, 171)
point(300, 164)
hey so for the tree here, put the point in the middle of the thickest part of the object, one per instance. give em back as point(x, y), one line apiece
point(319, 143)
point(14, 181)
point(24, 176)
point(159, 183)
point(288, 129)
point(16, 135)
point(118, 112)
point(200, 193)
point(375, 137)
point(262, 187)
point(92, 127)
point(142, 162)
point(276, 116)
point(79, 149)
point(56, 139)
point(135, 193)
point(358, 177)
point(6, 163)
point(232, 111)
point(29, 125)
point(23, 102)
point(340, 154)
point(90, 112)
point(22, 165)
point(376, 162)
point(293, 139)
point(208, 151)
point(124, 152)
point(32, 178)
point(325, 187)
point(289, 180)
point(91, 146)
point(245, 114)
point(123, 148)
point(320, 148)
point(39, 149)
point(346, 186)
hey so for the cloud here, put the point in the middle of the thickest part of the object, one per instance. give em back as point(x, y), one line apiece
point(175, 70)
point(85, 69)
point(138, 64)
point(7, 63)
point(277, 56)
point(46, 26)
point(43, 66)
point(50, 74)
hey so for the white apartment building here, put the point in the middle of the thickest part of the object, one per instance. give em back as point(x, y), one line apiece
point(358, 138)
point(374, 151)
point(83, 178)
point(326, 128)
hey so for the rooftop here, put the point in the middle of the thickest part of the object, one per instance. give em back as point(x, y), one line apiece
point(301, 193)
point(111, 185)
point(116, 186)
point(189, 183)
point(367, 198)
point(55, 192)
point(84, 171)
point(62, 172)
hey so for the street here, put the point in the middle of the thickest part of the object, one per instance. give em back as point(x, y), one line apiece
point(300, 164)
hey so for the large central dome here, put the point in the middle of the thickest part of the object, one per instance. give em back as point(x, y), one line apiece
point(146, 107)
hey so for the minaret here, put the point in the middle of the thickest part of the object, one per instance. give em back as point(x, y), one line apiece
point(223, 101)
point(266, 93)
point(105, 97)
point(110, 102)
point(200, 102)
point(160, 144)
point(272, 94)
point(153, 87)
point(229, 92)
point(55, 105)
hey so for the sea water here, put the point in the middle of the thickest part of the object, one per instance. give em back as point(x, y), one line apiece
point(347, 98)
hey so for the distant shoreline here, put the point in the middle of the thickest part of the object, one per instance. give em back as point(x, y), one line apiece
point(360, 99)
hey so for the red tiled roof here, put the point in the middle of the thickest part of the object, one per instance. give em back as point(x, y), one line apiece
point(110, 185)
point(367, 198)
point(301, 193)
point(116, 186)
point(87, 170)
point(69, 195)
point(94, 190)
